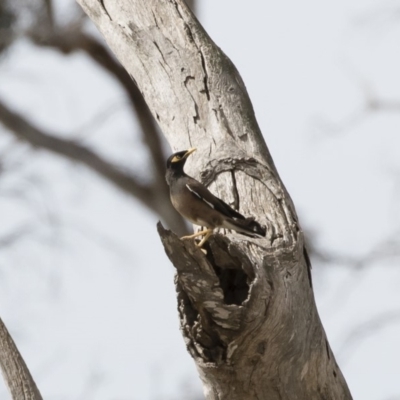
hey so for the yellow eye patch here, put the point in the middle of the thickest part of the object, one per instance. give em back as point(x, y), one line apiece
point(176, 159)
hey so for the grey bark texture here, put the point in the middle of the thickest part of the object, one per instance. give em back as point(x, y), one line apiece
point(15, 372)
point(247, 308)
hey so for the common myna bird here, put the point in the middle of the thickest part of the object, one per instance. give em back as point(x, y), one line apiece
point(197, 204)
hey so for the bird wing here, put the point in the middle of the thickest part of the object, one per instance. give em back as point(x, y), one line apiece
point(203, 194)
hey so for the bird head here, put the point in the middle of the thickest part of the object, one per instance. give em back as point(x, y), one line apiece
point(177, 160)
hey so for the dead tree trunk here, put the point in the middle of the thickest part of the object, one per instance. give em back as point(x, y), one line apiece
point(247, 308)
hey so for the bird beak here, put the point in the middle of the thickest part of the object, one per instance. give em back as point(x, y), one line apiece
point(189, 152)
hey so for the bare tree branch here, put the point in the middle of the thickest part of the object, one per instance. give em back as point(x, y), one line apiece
point(372, 105)
point(385, 250)
point(17, 234)
point(149, 196)
point(365, 330)
point(15, 372)
point(68, 40)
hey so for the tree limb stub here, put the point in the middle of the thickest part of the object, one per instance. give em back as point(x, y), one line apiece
point(246, 308)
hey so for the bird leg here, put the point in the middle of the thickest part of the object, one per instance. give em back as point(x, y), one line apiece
point(195, 234)
point(206, 232)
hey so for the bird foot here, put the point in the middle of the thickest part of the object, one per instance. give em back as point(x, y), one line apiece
point(205, 238)
point(206, 233)
point(201, 233)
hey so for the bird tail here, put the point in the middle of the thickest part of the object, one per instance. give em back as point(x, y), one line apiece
point(247, 226)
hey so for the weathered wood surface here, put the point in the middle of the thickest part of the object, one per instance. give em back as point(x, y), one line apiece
point(247, 308)
point(15, 372)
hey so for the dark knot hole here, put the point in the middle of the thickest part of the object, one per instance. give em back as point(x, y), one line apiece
point(234, 284)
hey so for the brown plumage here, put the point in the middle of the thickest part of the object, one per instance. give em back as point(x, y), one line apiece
point(198, 205)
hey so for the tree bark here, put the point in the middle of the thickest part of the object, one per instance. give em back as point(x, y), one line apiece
point(247, 308)
point(16, 374)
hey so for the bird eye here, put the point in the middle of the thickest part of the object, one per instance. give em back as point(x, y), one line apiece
point(176, 159)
